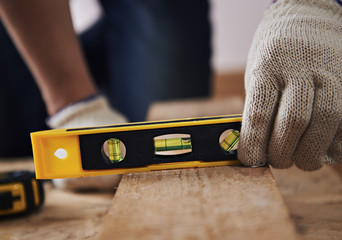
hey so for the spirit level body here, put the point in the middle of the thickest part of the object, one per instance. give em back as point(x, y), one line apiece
point(82, 155)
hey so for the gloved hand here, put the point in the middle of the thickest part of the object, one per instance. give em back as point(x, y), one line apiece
point(293, 82)
point(89, 112)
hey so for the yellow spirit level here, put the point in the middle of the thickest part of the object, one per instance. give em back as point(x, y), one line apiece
point(136, 147)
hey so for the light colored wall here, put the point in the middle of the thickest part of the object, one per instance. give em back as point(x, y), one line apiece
point(234, 24)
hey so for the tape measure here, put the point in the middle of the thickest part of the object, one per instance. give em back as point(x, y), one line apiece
point(136, 147)
point(20, 193)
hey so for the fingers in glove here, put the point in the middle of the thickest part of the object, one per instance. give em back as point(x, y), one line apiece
point(293, 117)
point(335, 150)
point(326, 116)
point(258, 116)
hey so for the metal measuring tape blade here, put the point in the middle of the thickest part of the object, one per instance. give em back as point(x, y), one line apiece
point(136, 147)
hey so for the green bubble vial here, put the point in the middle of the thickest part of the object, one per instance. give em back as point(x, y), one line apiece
point(114, 150)
point(172, 144)
point(230, 141)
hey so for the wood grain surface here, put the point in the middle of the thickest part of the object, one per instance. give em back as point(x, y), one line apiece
point(314, 200)
point(201, 203)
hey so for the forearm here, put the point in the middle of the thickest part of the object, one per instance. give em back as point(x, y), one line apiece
point(43, 33)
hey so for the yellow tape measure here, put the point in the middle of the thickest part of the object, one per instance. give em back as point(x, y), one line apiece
point(136, 147)
point(20, 193)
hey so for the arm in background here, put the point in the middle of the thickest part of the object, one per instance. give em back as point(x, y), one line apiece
point(43, 32)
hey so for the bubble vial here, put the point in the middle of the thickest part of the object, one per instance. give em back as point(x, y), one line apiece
point(230, 141)
point(114, 150)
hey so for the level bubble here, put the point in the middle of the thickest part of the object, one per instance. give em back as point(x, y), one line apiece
point(229, 140)
point(172, 144)
point(113, 150)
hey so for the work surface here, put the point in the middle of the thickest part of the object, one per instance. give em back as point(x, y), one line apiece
point(210, 203)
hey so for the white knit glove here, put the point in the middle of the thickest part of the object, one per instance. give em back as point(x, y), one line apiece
point(293, 81)
point(90, 112)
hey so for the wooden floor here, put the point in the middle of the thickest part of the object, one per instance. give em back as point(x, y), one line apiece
point(309, 204)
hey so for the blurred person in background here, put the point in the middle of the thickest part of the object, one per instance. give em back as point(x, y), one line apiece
point(136, 53)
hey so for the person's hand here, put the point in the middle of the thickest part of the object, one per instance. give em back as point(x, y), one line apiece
point(293, 82)
point(93, 111)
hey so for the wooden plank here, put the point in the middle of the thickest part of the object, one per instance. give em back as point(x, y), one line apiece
point(314, 200)
point(195, 108)
point(203, 203)
point(229, 84)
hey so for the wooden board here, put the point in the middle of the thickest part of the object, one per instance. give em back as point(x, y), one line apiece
point(314, 200)
point(205, 203)
point(195, 108)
